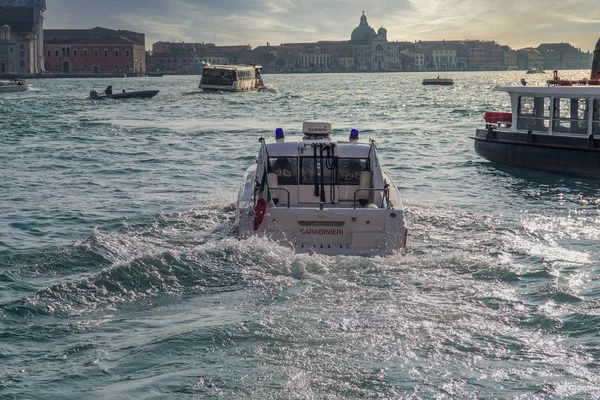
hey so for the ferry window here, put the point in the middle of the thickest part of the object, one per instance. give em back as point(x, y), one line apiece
point(533, 113)
point(596, 118)
point(349, 170)
point(570, 115)
point(311, 170)
point(286, 169)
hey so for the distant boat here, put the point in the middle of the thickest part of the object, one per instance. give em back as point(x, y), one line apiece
point(535, 71)
point(232, 78)
point(15, 85)
point(438, 81)
point(138, 94)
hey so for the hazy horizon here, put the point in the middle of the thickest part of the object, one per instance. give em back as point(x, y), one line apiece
point(238, 22)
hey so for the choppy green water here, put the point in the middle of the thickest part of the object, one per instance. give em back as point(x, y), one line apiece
point(120, 276)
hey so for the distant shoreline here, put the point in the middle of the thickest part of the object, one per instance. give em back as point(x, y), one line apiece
point(154, 74)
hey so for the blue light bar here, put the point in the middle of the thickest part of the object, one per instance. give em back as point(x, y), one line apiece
point(354, 134)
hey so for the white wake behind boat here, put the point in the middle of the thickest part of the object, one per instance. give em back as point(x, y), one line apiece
point(17, 85)
point(322, 194)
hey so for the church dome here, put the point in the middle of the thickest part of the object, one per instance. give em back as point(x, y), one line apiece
point(363, 32)
point(382, 31)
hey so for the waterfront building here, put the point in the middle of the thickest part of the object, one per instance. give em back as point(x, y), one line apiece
point(315, 60)
point(444, 60)
point(97, 51)
point(530, 58)
point(21, 37)
point(372, 51)
point(564, 56)
point(185, 57)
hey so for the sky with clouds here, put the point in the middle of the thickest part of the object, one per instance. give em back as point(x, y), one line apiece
point(516, 23)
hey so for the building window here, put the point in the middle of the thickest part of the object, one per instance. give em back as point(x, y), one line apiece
point(74, 52)
point(127, 53)
point(116, 52)
point(116, 67)
point(105, 52)
point(22, 54)
point(22, 64)
point(22, 46)
point(11, 49)
point(105, 67)
point(56, 53)
point(85, 52)
point(84, 66)
point(96, 52)
point(49, 53)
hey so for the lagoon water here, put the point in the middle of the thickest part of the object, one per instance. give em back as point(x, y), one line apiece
point(120, 276)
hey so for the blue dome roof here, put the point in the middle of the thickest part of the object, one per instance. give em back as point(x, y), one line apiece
point(363, 32)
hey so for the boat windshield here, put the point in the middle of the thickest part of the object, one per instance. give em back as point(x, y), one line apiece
point(213, 76)
point(347, 170)
point(286, 169)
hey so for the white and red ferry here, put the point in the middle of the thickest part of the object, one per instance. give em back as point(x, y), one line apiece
point(322, 194)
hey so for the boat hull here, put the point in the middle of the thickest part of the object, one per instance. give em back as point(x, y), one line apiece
point(330, 229)
point(13, 88)
point(576, 156)
point(358, 231)
point(438, 82)
point(138, 94)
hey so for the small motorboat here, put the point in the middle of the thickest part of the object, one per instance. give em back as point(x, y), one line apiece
point(438, 81)
point(535, 71)
point(322, 194)
point(137, 94)
point(14, 85)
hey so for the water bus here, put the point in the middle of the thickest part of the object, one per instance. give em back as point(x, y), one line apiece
point(231, 78)
point(554, 128)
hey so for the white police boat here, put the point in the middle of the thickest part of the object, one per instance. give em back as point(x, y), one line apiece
point(322, 194)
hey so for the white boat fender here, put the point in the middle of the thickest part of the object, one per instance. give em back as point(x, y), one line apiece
point(272, 181)
point(364, 183)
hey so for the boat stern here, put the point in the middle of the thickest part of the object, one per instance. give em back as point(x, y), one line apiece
point(359, 231)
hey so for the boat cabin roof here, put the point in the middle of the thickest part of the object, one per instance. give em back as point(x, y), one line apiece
point(303, 148)
point(552, 91)
point(319, 133)
point(232, 67)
